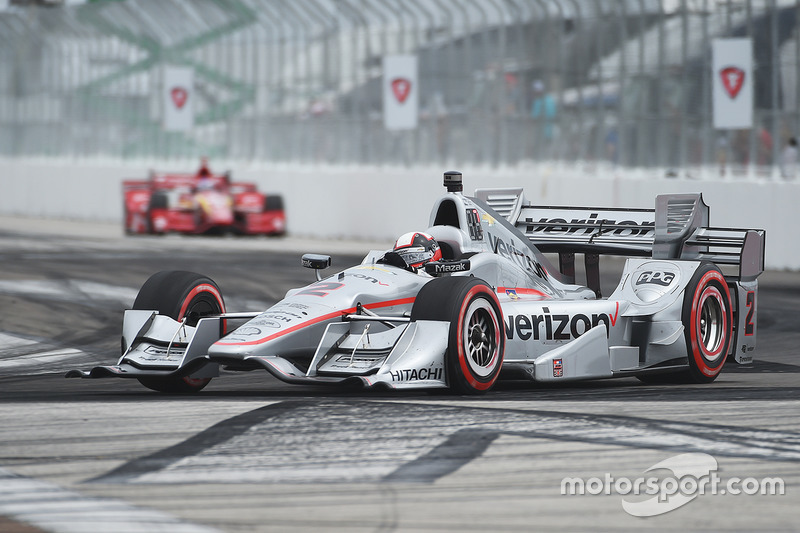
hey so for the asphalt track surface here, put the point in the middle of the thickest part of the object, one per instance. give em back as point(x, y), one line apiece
point(250, 453)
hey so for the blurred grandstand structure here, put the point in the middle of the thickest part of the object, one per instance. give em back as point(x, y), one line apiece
point(501, 82)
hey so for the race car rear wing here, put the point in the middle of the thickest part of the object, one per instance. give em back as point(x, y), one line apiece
point(678, 228)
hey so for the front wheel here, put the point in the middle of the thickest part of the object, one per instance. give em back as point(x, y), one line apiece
point(171, 385)
point(476, 342)
point(179, 295)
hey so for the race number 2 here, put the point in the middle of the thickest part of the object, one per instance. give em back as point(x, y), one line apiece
point(322, 288)
point(749, 324)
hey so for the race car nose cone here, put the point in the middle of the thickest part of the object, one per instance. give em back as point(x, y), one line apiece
point(229, 349)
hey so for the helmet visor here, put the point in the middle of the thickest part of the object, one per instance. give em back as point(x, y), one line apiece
point(415, 256)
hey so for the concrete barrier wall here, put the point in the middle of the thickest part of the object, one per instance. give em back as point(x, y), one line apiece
point(378, 204)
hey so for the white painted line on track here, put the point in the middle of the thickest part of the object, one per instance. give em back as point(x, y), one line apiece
point(57, 510)
point(12, 342)
point(33, 356)
point(49, 359)
point(73, 290)
point(347, 442)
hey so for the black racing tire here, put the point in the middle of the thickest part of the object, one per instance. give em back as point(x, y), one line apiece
point(159, 200)
point(663, 378)
point(170, 385)
point(151, 227)
point(476, 342)
point(179, 294)
point(708, 323)
point(125, 216)
point(273, 202)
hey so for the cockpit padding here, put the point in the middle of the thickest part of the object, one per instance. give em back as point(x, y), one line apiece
point(450, 239)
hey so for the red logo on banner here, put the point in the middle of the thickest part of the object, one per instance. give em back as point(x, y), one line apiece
point(179, 96)
point(732, 80)
point(401, 87)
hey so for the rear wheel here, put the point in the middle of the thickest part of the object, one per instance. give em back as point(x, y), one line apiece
point(127, 220)
point(179, 294)
point(708, 323)
point(159, 200)
point(707, 319)
point(476, 342)
point(273, 202)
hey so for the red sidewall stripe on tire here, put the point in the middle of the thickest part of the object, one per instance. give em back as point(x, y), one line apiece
point(462, 358)
point(698, 350)
point(204, 287)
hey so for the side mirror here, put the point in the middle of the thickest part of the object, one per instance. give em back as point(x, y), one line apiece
point(317, 262)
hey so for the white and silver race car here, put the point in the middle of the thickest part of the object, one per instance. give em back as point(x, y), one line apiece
point(492, 307)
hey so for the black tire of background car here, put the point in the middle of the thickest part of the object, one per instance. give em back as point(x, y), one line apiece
point(158, 200)
point(474, 358)
point(273, 202)
point(125, 217)
point(179, 294)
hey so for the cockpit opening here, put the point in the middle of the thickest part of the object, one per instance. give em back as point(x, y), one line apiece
point(447, 214)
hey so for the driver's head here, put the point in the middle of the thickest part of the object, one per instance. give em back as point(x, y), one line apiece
point(417, 248)
point(204, 172)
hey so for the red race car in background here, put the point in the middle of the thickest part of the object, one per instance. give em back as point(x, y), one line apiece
point(201, 202)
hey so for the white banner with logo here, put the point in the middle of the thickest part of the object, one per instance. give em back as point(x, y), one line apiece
point(732, 83)
point(177, 98)
point(400, 92)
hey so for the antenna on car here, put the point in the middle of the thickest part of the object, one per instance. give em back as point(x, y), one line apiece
point(452, 180)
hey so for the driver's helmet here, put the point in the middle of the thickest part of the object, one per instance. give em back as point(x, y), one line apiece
point(203, 171)
point(417, 248)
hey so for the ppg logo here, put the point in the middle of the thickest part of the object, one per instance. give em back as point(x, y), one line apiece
point(655, 277)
